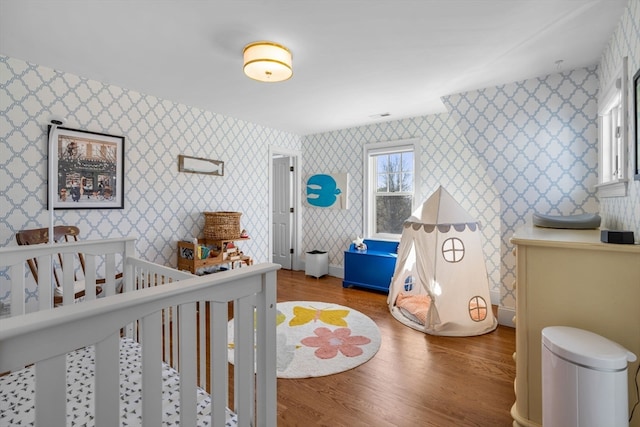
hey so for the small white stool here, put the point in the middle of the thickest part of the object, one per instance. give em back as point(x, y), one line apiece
point(316, 264)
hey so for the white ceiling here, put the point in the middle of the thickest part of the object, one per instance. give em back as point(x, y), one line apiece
point(351, 59)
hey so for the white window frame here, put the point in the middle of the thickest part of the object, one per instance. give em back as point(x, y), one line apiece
point(370, 180)
point(613, 136)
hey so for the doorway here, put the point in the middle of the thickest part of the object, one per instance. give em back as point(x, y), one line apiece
point(284, 209)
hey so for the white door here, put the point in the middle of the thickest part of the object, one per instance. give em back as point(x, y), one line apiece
point(282, 212)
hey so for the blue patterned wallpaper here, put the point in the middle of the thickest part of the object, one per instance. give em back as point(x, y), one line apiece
point(161, 204)
point(623, 213)
point(538, 140)
point(503, 152)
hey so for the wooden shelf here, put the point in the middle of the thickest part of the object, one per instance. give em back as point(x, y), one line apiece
point(188, 254)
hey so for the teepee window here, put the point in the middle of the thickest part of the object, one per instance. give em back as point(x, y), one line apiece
point(408, 283)
point(453, 250)
point(477, 309)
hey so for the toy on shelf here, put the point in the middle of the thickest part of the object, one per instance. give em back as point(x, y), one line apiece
point(200, 256)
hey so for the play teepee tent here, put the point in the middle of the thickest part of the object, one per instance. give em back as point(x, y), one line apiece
point(440, 283)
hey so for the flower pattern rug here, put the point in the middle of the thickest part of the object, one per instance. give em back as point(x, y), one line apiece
point(315, 339)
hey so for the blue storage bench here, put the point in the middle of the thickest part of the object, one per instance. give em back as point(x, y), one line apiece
point(372, 268)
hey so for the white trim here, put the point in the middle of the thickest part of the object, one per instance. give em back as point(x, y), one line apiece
point(615, 94)
point(506, 316)
point(617, 188)
point(296, 160)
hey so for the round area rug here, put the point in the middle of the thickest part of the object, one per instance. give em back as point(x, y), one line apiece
point(315, 339)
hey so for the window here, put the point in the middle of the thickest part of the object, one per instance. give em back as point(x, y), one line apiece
point(453, 250)
point(612, 125)
point(390, 168)
point(477, 309)
point(408, 284)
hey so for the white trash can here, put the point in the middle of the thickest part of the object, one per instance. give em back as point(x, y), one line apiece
point(316, 263)
point(584, 379)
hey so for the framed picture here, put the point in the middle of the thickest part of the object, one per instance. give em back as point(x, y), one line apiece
point(90, 170)
point(200, 165)
point(636, 123)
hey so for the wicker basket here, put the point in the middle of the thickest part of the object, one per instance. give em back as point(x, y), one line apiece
point(222, 225)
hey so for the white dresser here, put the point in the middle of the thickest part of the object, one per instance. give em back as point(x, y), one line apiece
point(570, 278)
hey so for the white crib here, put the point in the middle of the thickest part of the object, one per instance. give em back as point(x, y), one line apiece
point(167, 315)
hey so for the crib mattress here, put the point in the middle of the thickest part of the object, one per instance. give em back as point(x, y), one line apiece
point(17, 401)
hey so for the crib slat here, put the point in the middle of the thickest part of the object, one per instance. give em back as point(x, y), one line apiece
point(17, 289)
point(166, 342)
point(175, 356)
point(130, 278)
point(202, 344)
point(90, 277)
point(266, 363)
point(45, 297)
point(107, 381)
point(244, 354)
point(51, 392)
point(68, 279)
point(110, 274)
point(150, 337)
point(219, 362)
point(188, 374)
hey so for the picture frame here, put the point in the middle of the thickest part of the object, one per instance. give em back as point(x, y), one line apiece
point(636, 124)
point(89, 169)
point(200, 165)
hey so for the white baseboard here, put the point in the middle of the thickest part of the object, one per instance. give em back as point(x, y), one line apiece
point(336, 271)
point(506, 316)
point(495, 297)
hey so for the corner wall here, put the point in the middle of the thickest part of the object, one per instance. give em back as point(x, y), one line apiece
point(538, 140)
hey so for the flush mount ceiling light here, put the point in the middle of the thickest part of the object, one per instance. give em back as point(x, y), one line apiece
point(267, 62)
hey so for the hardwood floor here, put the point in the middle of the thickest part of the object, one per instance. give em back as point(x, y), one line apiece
point(414, 380)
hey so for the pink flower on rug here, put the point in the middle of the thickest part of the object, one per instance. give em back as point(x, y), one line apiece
point(329, 342)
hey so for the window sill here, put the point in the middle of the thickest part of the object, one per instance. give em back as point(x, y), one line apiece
point(617, 188)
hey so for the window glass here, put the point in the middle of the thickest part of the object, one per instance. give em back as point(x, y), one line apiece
point(391, 213)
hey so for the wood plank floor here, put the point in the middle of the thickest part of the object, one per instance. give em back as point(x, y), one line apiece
point(414, 380)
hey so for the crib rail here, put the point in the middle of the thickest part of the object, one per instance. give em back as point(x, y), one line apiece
point(98, 322)
point(101, 257)
point(177, 317)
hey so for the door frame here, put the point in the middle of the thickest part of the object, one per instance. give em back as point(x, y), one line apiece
point(296, 161)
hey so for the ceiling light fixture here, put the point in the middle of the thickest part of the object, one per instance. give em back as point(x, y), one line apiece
point(267, 62)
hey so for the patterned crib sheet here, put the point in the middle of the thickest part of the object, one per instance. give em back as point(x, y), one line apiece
point(17, 401)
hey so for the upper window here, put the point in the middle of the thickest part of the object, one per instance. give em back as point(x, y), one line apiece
point(391, 183)
point(612, 124)
point(453, 250)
